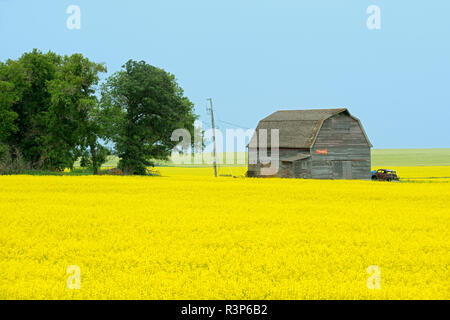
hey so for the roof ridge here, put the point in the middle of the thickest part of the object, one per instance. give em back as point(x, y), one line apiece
point(290, 120)
point(325, 109)
point(316, 114)
point(302, 126)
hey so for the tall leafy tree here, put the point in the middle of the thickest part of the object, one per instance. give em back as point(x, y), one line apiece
point(7, 115)
point(49, 110)
point(148, 105)
point(29, 76)
point(73, 113)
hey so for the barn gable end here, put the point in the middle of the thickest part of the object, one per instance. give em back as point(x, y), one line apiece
point(341, 149)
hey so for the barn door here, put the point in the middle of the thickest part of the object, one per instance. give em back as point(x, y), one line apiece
point(337, 170)
point(347, 170)
point(289, 172)
point(342, 169)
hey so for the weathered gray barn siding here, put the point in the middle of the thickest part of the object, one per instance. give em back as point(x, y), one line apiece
point(332, 165)
point(285, 167)
point(347, 146)
point(302, 168)
point(341, 129)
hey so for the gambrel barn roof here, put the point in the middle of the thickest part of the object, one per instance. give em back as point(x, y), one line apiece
point(299, 128)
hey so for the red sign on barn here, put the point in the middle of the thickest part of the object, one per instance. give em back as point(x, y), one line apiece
point(322, 151)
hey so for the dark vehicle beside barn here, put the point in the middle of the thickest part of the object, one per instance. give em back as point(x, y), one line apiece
point(314, 144)
point(384, 175)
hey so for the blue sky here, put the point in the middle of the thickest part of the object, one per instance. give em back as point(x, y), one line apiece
point(255, 57)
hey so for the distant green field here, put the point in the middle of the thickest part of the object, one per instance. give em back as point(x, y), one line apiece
point(380, 158)
point(410, 157)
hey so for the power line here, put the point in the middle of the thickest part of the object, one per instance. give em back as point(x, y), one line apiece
point(218, 116)
point(233, 124)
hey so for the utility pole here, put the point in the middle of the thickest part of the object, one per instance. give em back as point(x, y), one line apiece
point(214, 136)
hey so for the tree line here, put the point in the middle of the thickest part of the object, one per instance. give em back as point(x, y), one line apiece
point(54, 111)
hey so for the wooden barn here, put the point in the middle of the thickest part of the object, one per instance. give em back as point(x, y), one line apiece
point(314, 144)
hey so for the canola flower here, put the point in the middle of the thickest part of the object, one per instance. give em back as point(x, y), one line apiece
point(187, 235)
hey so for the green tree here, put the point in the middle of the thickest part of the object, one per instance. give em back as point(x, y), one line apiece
point(48, 109)
point(74, 112)
point(148, 105)
point(7, 115)
point(28, 76)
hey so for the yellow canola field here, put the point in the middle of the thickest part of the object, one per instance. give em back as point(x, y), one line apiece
point(186, 235)
point(430, 173)
point(421, 173)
